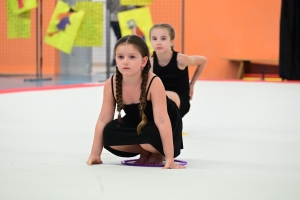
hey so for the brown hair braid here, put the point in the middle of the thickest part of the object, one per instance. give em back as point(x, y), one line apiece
point(142, 48)
point(120, 104)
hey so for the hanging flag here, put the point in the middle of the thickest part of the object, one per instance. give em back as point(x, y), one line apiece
point(63, 27)
point(135, 2)
point(21, 6)
point(91, 31)
point(138, 22)
point(18, 26)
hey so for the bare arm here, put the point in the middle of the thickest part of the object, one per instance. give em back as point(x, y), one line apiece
point(198, 61)
point(106, 115)
point(161, 118)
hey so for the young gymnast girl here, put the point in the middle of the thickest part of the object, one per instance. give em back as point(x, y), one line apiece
point(152, 125)
point(172, 67)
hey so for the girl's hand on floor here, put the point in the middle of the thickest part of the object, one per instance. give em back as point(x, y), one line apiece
point(172, 165)
point(94, 159)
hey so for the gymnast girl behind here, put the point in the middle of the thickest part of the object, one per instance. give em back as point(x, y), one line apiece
point(152, 125)
point(172, 67)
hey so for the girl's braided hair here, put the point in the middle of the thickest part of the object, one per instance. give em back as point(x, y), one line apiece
point(143, 49)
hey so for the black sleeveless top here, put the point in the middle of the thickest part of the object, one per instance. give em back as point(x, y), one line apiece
point(132, 110)
point(173, 78)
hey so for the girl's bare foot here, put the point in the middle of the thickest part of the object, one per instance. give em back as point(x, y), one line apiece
point(144, 156)
point(156, 159)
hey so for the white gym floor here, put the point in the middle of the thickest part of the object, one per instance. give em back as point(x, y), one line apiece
point(243, 143)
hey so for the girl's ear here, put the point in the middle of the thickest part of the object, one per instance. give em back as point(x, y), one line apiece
point(144, 61)
point(172, 43)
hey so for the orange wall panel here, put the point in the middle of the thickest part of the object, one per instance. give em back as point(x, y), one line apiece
point(215, 29)
point(18, 56)
point(231, 28)
point(169, 11)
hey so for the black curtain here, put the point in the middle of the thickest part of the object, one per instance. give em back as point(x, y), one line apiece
point(289, 51)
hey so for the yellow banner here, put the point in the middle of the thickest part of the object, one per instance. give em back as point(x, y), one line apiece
point(135, 2)
point(138, 22)
point(18, 26)
point(63, 27)
point(20, 6)
point(91, 31)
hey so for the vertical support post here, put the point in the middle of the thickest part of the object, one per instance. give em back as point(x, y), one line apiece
point(39, 44)
point(41, 39)
point(37, 40)
point(182, 23)
point(107, 38)
point(240, 73)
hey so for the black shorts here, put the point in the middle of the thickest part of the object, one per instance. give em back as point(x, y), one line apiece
point(184, 105)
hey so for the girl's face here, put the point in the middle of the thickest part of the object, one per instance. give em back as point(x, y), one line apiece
point(129, 60)
point(160, 39)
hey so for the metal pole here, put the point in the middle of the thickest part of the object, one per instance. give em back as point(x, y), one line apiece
point(39, 45)
point(41, 39)
point(107, 39)
point(37, 41)
point(36, 46)
point(182, 29)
